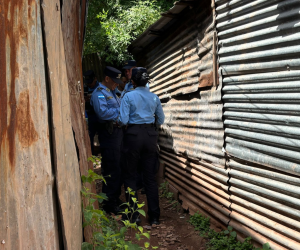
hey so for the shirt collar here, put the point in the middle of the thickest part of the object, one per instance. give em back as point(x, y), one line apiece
point(142, 88)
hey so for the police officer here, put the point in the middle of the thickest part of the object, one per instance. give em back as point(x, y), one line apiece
point(138, 109)
point(128, 67)
point(121, 87)
point(91, 83)
point(107, 107)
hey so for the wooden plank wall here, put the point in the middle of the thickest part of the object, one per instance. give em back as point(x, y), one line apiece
point(28, 216)
point(64, 151)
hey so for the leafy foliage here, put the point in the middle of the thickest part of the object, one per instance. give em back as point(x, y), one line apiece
point(113, 24)
point(107, 235)
point(224, 240)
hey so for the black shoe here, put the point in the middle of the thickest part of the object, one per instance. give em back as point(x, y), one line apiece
point(154, 221)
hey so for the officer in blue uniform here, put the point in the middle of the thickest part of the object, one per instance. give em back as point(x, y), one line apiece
point(138, 111)
point(128, 67)
point(129, 86)
point(107, 108)
point(91, 83)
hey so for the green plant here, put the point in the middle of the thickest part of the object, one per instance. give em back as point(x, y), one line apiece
point(164, 191)
point(113, 24)
point(107, 235)
point(221, 240)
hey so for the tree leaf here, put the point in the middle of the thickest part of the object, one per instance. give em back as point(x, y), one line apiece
point(86, 246)
point(142, 212)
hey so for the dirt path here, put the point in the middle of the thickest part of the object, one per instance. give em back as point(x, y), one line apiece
point(174, 232)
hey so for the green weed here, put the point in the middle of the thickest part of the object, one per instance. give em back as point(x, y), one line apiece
point(107, 235)
point(225, 240)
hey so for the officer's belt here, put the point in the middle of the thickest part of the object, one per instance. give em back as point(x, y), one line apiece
point(104, 126)
point(145, 125)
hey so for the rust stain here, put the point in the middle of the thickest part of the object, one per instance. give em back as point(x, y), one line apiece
point(3, 88)
point(13, 30)
point(206, 80)
point(25, 125)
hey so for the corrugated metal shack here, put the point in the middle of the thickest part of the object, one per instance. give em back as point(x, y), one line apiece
point(40, 60)
point(229, 79)
point(178, 51)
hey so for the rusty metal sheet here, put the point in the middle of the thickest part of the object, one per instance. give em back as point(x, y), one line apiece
point(194, 128)
point(65, 156)
point(72, 38)
point(28, 209)
point(258, 43)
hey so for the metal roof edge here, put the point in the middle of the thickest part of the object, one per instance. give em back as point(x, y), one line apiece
point(160, 24)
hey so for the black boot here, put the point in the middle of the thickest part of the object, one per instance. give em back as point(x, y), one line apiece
point(154, 221)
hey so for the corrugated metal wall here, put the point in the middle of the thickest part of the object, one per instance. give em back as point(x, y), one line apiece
point(180, 62)
point(260, 67)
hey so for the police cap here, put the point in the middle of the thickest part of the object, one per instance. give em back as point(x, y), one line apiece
point(135, 70)
point(88, 76)
point(114, 74)
point(129, 64)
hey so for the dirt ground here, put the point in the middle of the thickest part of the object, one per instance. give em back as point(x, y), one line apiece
point(174, 231)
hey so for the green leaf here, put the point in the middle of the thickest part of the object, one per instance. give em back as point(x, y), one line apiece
point(141, 229)
point(230, 228)
point(100, 248)
point(146, 235)
point(233, 234)
point(133, 246)
point(88, 215)
point(138, 236)
point(266, 246)
point(142, 212)
point(147, 244)
point(226, 232)
point(123, 230)
point(86, 246)
point(99, 237)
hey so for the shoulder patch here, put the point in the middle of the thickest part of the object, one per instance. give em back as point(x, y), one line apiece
point(154, 98)
point(101, 96)
point(109, 97)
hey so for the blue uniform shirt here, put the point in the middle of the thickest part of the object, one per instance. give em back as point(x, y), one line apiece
point(105, 103)
point(140, 106)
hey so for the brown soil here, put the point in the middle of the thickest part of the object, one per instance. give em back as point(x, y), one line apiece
point(174, 231)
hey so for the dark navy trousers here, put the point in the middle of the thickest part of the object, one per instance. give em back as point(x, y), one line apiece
point(140, 149)
point(110, 145)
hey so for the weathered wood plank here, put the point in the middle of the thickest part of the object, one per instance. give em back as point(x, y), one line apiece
point(71, 25)
point(64, 150)
point(27, 202)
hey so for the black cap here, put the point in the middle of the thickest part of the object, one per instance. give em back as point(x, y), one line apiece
point(129, 64)
point(135, 70)
point(88, 76)
point(114, 74)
